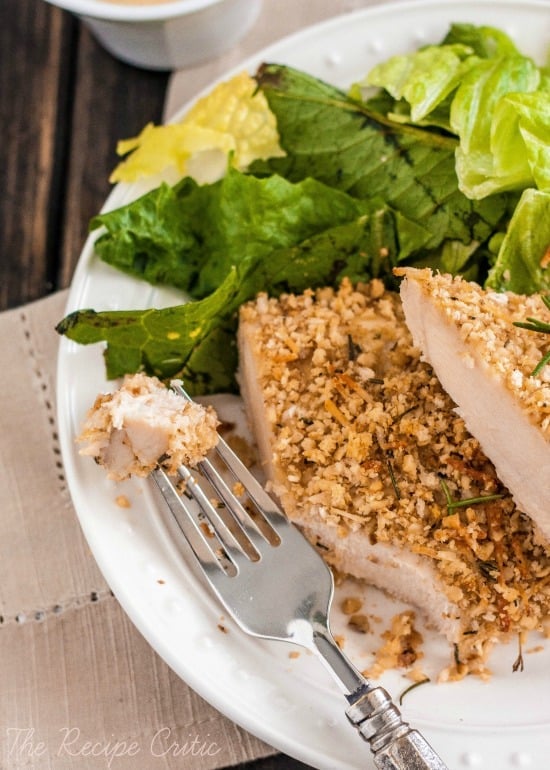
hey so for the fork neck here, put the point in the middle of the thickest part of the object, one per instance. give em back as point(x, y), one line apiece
point(348, 677)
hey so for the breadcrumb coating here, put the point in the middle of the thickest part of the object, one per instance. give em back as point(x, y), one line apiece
point(364, 438)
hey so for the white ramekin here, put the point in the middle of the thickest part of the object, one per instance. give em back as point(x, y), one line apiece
point(169, 35)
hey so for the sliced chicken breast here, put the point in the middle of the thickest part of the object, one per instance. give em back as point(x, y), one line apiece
point(485, 363)
point(366, 453)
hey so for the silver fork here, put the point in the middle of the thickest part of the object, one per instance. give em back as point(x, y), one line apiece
point(275, 585)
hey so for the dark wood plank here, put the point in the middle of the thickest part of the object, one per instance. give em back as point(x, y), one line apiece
point(64, 102)
point(111, 101)
point(35, 45)
point(277, 762)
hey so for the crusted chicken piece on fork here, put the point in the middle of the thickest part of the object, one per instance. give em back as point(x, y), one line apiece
point(143, 424)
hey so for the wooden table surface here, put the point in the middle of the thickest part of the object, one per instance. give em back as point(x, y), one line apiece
point(64, 102)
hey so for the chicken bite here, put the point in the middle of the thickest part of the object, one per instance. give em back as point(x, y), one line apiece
point(143, 425)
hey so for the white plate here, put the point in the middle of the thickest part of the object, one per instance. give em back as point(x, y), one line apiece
point(291, 703)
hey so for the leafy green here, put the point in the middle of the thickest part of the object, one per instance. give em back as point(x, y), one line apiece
point(523, 261)
point(472, 118)
point(190, 236)
point(438, 168)
point(411, 169)
point(480, 88)
point(424, 78)
point(520, 138)
point(160, 341)
point(152, 238)
point(485, 42)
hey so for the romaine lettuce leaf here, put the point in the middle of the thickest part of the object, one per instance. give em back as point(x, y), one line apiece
point(412, 170)
point(523, 262)
point(160, 341)
point(190, 236)
point(474, 103)
point(472, 119)
point(477, 86)
point(424, 78)
point(153, 238)
point(232, 118)
point(521, 137)
point(486, 42)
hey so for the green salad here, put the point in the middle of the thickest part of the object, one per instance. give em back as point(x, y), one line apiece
point(437, 158)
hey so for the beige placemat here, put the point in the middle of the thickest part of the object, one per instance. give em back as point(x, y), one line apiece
point(79, 686)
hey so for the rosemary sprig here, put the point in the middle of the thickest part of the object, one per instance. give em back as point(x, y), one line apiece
point(353, 349)
point(412, 687)
point(456, 655)
point(467, 501)
point(518, 663)
point(535, 325)
point(393, 479)
point(489, 569)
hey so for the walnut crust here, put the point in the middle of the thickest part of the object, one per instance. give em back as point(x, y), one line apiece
point(363, 441)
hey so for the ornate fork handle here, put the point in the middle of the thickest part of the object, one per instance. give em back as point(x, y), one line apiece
point(394, 745)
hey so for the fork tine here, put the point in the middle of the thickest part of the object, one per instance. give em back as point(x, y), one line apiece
point(272, 514)
point(183, 521)
point(265, 505)
point(226, 555)
point(243, 519)
point(238, 550)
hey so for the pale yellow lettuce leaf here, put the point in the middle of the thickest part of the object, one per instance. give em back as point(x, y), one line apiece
point(232, 118)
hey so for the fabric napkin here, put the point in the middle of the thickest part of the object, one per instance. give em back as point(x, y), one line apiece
point(79, 687)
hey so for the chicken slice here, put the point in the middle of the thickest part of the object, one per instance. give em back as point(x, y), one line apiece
point(366, 453)
point(143, 425)
point(485, 363)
